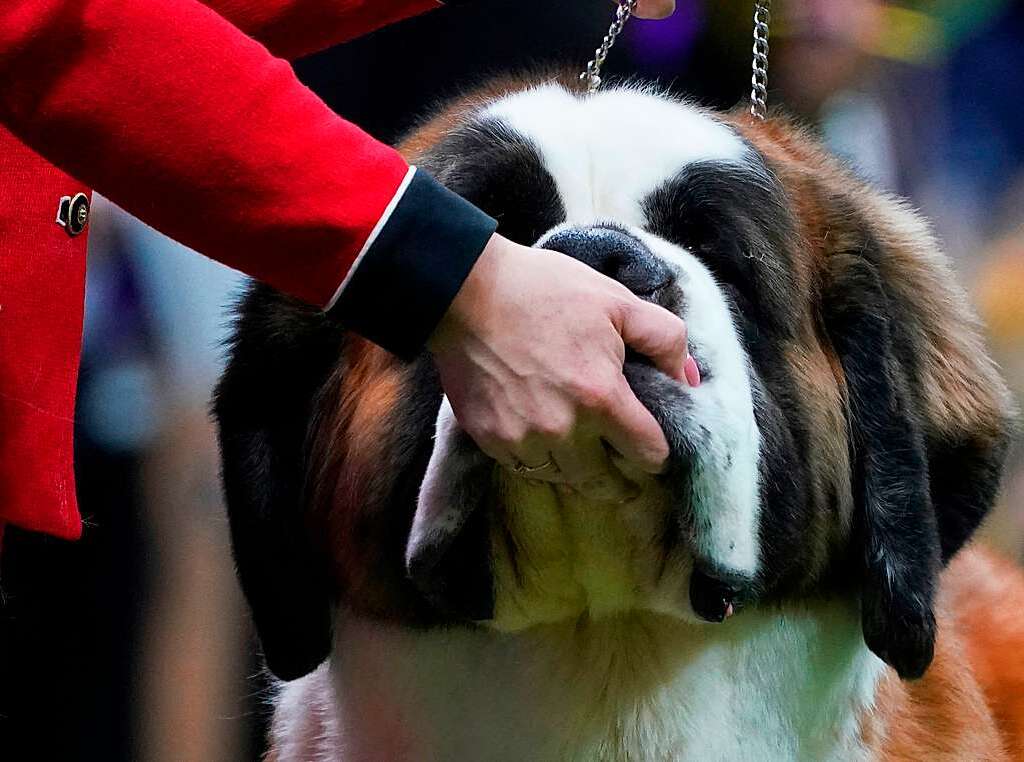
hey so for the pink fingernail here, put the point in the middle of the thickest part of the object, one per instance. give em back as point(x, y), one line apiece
point(691, 371)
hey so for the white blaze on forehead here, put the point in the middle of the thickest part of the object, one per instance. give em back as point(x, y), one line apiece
point(607, 151)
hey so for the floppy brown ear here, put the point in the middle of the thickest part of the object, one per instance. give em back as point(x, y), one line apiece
point(927, 427)
point(895, 519)
point(279, 357)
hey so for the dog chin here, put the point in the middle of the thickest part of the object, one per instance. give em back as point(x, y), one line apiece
point(560, 556)
point(556, 555)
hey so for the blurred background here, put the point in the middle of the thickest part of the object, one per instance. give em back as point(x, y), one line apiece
point(134, 643)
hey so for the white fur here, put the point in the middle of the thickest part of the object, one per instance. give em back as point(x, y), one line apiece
point(608, 151)
point(599, 661)
point(763, 687)
point(433, 517)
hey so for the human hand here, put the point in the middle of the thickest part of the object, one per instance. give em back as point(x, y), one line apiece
point(655, 9)
point(530, 355)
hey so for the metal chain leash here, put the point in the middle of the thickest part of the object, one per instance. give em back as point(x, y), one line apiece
point(759, 77)
point(759, 66)
point(592, 75)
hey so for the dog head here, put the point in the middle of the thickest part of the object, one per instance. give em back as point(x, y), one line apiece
point(847, 438)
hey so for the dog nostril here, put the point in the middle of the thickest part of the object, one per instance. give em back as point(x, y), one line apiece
point(604, 249)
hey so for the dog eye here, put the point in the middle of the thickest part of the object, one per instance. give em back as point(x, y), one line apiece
point(723, 266)
point(739, 302)
point(736, 296)
point(744, 312)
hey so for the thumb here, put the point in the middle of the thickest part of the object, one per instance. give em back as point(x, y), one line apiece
point(657, 333)
point(655, 9)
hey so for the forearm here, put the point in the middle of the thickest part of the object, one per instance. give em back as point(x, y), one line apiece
point(293, 28)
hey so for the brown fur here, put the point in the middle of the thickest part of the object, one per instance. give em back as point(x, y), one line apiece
point(986, 593)
point(352, 446)
point(970, 704)
point(962, 389)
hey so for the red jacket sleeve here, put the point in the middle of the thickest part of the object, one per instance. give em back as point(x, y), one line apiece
point(176, 115)
point(293, 28)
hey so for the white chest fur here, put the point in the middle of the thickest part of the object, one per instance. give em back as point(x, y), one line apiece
point(763, 686)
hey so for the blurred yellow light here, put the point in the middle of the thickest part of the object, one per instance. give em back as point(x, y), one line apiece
point(908, 35)
point(999, 292)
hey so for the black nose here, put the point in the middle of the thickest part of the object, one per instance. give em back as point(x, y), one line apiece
point(615, 253)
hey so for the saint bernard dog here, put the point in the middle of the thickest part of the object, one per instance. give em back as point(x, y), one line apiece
point(795, 584)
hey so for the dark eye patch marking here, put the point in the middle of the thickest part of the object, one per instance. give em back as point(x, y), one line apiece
point(501, 171)
point(736, 220)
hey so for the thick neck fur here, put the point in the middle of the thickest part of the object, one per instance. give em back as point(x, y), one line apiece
point(785, 684)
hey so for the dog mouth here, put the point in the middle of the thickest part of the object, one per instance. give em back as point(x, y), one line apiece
point(716, 595)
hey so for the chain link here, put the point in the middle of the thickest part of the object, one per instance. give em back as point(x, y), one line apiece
point(592, 75)
point(759, 76)
point(759, 65)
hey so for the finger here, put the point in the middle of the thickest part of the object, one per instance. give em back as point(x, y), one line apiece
point(587, 467)
point(532, 459)
point(630, 428)
point(654, 331)
point(655, 9)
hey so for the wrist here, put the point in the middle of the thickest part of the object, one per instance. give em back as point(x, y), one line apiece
point(471, 302)
point(413, 266)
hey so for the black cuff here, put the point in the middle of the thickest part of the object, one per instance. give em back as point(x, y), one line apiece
point(403, 284)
